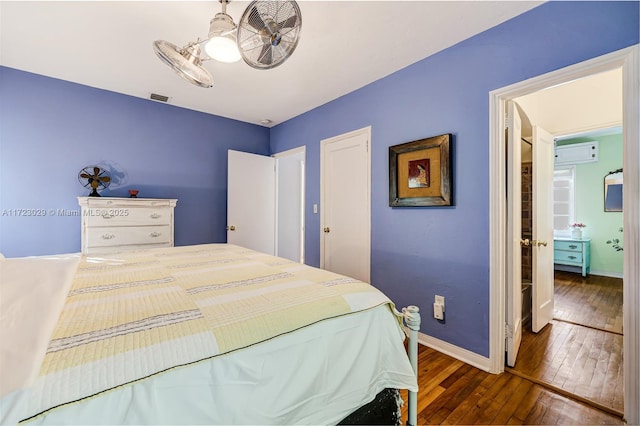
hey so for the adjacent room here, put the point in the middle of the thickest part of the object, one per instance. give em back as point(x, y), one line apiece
point(202, 200)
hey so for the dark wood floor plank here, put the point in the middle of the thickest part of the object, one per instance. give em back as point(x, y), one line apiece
point(483, 404)
point(522, 411)
point(471, 396)
point(515, 400)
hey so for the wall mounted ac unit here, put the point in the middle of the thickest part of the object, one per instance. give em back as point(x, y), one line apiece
point(586, 152)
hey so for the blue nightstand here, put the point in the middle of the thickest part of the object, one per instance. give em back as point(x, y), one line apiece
point(572, 253)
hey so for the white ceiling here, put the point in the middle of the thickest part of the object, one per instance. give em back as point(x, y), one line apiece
point(581, 106)
point(344, 45)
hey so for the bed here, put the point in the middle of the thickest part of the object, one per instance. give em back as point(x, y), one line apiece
point(206, 334)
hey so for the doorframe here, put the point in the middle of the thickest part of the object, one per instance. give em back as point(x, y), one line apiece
point(628, 60)
point(324, 142)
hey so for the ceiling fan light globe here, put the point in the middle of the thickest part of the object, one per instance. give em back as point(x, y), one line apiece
point(223, 49)
point(222, 39)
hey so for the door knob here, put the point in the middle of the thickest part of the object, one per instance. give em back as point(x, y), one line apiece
point(326, 230)
point(525, 242)
point(231, 228)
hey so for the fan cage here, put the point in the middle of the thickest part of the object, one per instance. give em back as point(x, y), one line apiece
point(91, 173)
point(268, 32)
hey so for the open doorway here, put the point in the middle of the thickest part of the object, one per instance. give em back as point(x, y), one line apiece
point(500, 256)
point(579, 353)
point(585, 118)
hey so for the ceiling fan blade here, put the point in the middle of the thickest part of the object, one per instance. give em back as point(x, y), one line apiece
point(265, 55)
point(289, 22)
point(255, 20)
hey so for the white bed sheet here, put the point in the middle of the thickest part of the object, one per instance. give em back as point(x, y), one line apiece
point(315, 375)
point(32, 293)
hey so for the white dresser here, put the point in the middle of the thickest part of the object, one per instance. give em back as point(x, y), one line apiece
point(111, 224)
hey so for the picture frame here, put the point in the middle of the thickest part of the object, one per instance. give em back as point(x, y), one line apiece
point(420, 173)
point(613, 182)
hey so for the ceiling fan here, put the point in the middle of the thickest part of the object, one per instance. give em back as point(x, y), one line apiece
point(266, 35)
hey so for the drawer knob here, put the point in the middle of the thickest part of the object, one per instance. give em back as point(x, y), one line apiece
point(154, 215)
point(108, 236)
point(573, 246)
point(572, 257)
point(154, 234)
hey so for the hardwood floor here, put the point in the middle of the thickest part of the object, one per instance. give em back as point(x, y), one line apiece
point(581, 352)
point(575, 359)
point(558, 369)
point(452, 392)
point(593, 301)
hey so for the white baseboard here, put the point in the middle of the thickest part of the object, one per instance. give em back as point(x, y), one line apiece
point(606, 273)
point(454, 351)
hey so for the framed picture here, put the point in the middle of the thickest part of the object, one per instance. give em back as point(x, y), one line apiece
point(613, 191)
point(420, 173)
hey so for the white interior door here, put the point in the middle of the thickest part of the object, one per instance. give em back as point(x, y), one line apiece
point(290, 177)
point(542, 303)
point(513, 315)
point(345, 241)
point(251, 201)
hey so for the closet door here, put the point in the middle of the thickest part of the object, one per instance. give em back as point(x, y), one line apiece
point(251, 201)
point(345, 215)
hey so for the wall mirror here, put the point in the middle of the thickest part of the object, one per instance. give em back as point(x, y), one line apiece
point(613, 191)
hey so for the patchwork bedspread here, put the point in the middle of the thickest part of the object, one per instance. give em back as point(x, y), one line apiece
point(131, 315)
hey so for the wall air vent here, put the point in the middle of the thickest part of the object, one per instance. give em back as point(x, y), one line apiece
point(159, 98)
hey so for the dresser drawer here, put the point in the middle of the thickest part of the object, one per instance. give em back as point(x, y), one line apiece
point(127, 216)
point(98, 251)
point(566, 256)
point(568, 246)
point(128, 235)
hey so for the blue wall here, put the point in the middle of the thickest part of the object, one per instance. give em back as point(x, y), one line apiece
point(420, 252)
point(50, 129)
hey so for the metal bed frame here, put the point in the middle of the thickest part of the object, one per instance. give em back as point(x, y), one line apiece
point(411, 317)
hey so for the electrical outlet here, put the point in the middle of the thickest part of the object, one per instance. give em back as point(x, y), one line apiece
point(438, 312)
point(440, 301)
